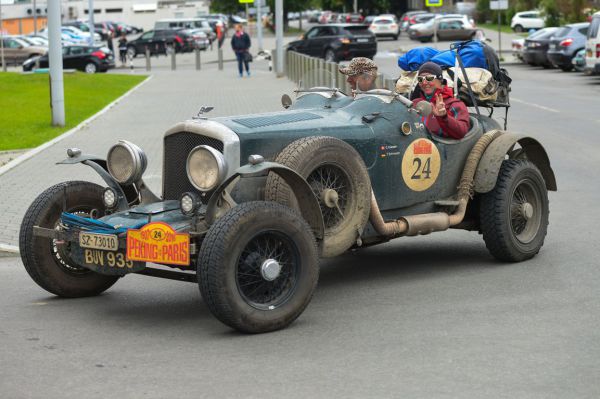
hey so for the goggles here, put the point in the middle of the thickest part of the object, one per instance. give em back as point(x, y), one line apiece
point(429, 78)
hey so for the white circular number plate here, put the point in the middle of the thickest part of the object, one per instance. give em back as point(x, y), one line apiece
point(421, 165)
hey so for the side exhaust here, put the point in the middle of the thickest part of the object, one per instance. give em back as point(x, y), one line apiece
point(431, 222)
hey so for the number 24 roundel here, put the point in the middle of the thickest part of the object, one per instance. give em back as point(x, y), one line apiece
point(421, 165)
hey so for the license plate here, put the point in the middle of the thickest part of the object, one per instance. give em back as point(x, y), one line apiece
point(362, 40)
point(106, 258)
point(158, 243)
point(108, 242)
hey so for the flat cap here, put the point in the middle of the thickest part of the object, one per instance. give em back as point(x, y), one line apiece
point(360, 65)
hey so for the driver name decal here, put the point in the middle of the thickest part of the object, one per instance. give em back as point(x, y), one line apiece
point(421, 165)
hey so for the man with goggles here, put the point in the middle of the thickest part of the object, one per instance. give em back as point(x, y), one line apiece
point(450, 117)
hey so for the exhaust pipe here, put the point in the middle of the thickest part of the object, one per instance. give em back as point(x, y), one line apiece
point(430, 222)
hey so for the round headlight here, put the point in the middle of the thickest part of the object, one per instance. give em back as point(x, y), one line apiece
point(126, 162)
point(206, 167)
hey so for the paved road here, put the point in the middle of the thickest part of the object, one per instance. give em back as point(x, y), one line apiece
point(425, 317)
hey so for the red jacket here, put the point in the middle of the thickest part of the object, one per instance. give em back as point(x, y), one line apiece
point(455, 124)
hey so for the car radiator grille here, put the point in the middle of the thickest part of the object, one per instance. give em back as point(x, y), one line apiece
point(177, 146)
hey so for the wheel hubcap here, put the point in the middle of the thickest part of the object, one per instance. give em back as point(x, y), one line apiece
point(525, 211)
point(270, 269)
point(331, 186)
point(330, 197)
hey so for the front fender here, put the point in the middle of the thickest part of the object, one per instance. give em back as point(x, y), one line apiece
point(309, 205)
point(491, 161)
point(125, 194)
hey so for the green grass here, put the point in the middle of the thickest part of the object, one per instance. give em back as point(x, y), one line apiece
point(26, 120)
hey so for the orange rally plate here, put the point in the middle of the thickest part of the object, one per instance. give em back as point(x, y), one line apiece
point(157, 242)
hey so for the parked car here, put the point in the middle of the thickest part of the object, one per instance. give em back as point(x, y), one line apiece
point(236, 19)
point(592, 46)
point(157, 42)
point(517, 46)
point(81, 34)
point(565, 44)
point(579, 61)
point(199, 37)
point(84, 27)
point(327, 17)
point(314, 16)
point(354, 18)
point(369, 19)
point(250, 203)
point(89, 59)
point(523, 21)
point(405, 18)
point(448, 28)
point(16, 50)
point(535, 52)
point(336, 42)
point(385, 27)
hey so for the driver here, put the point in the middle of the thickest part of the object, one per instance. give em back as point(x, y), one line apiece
point(361, 72)
point(450, 117)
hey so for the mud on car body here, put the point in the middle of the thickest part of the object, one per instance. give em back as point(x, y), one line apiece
point(250, 203)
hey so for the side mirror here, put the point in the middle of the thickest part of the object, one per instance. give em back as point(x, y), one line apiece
point(286, 101)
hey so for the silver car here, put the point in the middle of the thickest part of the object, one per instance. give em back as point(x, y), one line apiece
point(448, 28)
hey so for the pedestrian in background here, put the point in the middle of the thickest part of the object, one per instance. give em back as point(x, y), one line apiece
point(240, 43)
point(123, 49)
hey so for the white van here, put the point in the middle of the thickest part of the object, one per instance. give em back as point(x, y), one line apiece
point(188, 23)
point(592, 46)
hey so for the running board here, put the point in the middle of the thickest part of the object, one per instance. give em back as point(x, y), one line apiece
point(171, 275)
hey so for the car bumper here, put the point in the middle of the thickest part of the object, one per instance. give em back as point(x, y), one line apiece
point(559, 59)
point(535, 57)
point(593, 69)
point(348, 54)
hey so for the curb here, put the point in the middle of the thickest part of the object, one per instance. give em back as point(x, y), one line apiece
point(19, 160)
point(10, 249)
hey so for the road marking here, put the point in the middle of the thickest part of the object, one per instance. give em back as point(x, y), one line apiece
point(534, 105)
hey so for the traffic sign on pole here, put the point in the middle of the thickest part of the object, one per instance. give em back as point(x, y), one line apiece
point(434, 3)
point(246, 1)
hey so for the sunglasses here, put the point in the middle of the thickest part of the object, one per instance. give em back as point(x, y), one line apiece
point(429, 78)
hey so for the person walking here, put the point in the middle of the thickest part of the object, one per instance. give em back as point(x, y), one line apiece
point(240, 43)
point(123, 49)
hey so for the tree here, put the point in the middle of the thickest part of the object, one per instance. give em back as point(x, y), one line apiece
point(226, 6)
point(551, 12)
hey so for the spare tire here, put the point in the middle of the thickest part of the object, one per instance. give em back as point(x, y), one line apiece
point(338, 178)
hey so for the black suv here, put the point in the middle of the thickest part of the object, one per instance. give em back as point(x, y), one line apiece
point(157, 41)
point(336, 42)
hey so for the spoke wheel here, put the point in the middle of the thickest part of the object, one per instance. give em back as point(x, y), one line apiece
point(331, 179)
point(258, 267)
point(514, 215)
point(259, 288)
point(338, 178)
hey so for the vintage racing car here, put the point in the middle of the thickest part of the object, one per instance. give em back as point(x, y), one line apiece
point(250, 203)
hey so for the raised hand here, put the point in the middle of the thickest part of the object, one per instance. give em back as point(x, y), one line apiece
point(439, 109)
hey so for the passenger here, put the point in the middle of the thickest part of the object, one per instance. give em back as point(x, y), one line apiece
point(449, 117)
point(362, 73)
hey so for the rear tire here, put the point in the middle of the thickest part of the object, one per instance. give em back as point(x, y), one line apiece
point(514, 215)
point(47, 262)
point(518, 28)
point(237, 278)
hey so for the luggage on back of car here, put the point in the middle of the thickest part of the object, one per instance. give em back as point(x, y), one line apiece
point(489, 83)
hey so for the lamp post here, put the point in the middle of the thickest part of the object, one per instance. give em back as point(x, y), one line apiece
point(57, 95)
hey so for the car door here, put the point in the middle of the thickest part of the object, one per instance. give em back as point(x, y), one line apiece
point(448, 30)
point(323, 40)
point(144, 41)
point(304, 46)
point(12, 51)
point(68, 57)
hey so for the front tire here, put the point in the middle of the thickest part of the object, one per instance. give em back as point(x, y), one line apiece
point(514, 215)
point(258, 267)
point(47, 261)
point(518, 28)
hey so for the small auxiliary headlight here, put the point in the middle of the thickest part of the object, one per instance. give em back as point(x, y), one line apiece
point(189, 203)
point(109, 197)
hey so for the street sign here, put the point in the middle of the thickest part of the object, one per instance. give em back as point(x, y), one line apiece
point(434, 3)
point(499, 5)
point(246, 1)
point(263, 10)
